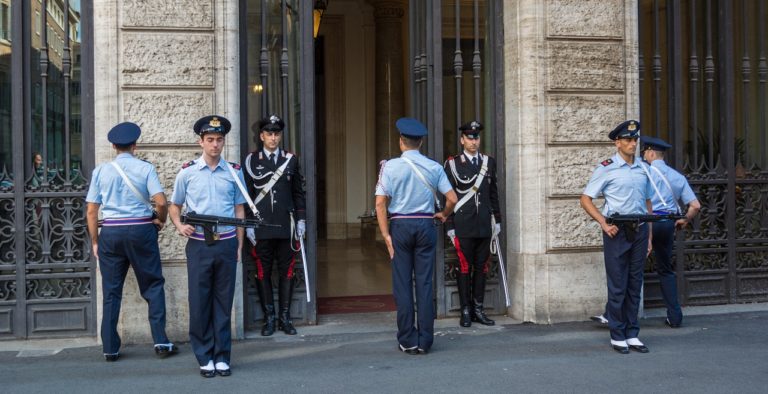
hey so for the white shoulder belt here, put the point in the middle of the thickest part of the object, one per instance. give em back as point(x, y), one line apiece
point(475, 187)
point(275, 176)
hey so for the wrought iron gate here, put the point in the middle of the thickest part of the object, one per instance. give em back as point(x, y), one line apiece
point(703, 75)
point(46, 271)
point(456, 76)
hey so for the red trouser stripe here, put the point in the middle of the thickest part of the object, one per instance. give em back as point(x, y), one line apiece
point(289, 275)
point(259, 266)
point(463, 264)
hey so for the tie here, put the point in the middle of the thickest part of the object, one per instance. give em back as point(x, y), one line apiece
point(474, 161)
point(272, 158)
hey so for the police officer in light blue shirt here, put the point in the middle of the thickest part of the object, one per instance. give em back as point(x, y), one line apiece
point(406, 192)
point(623, 182)
point(672, 189)
point(122, 189)
point(207, 186)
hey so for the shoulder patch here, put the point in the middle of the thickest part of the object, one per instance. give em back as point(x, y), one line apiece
point(606, 162)
point(187, 164)
point(234, 165)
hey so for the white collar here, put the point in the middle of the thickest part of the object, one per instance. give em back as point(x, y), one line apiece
point(267, 153)
point(470, 156)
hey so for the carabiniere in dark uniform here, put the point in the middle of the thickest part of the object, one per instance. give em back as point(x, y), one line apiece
point(471, 227)
point(282, 203)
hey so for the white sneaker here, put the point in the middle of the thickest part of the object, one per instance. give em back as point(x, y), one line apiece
point(599, 319)
point(222, 369)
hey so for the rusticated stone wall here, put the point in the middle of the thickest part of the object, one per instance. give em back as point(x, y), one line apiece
point(570, 77)
point(163, 64)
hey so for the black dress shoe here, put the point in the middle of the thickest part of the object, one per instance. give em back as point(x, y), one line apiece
point(670, 324)
point(423, 352)
point(163, 351)
point(621, 349)
point(111, 357)
point(639, 348)
point(207, 373)
point(408, 350)
point(224, 372)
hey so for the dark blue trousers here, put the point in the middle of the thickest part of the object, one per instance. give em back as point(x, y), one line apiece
point(135, 246)
point(624, 262)
point(211, 271)
point(663, 244)
point(414, 241)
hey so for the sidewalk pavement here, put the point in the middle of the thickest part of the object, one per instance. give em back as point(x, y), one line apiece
point(718, 349)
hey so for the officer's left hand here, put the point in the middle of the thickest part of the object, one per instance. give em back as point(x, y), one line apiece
point(496, 230)
point(441, 217)
point(158, 224)
point(681, 223)
point(301, 228)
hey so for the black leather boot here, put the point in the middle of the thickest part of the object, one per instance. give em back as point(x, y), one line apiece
point(284, 322)
point(264, 287)
point(462, 281)
point(478, 315)
point(478, 294)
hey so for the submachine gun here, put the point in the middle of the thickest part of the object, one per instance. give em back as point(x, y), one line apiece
point(631, 222)
point(210, 224)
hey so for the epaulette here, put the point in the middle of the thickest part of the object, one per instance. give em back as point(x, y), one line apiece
point(234, 165)
point(607, 162)
point(187, 164)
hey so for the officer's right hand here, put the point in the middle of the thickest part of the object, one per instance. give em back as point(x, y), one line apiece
point(452, 236)
point(610, 229)
point(251, 234)
point(186, 230)
point(390, 246)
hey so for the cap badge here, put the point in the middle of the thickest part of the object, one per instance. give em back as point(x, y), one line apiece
point(632, 126)
point(215, 122)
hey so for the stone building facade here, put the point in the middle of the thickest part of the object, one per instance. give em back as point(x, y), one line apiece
point(570, 72)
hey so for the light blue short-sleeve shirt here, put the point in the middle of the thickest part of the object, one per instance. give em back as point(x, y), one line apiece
point(209, 192)
point(116, 198)
point(407, 192)
point(625, 187)
point(674, 190)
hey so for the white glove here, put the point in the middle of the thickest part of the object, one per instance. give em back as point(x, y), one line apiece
point(496, 230)
point(301, 228)
point(251, 234)
point(452, 235)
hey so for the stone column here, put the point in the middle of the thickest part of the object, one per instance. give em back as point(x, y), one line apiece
point(163, 64)
point(567, 84)
point(388, 15)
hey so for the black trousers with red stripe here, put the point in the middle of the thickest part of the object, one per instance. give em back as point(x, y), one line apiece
point(473, 253)
point(269, 250)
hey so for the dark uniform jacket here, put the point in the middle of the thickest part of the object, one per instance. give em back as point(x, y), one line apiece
point(473, 219)
point(285, 196)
